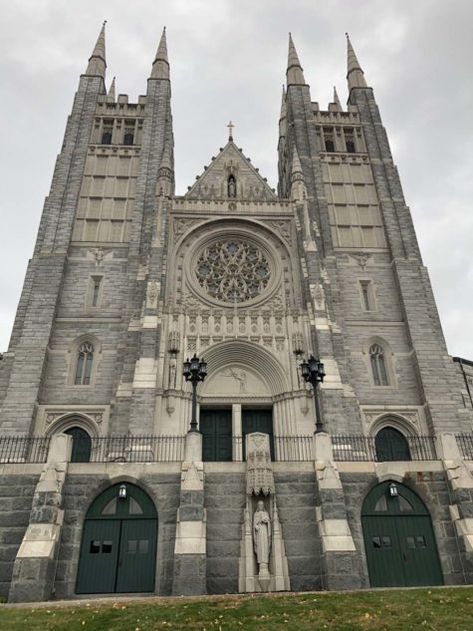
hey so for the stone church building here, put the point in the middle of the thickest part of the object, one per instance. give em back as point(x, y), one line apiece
point(104, 489)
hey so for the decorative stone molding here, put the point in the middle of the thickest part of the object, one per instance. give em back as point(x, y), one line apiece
point(152, 293)
point(54, 419)
point(362, 259)
point(259, 475)
point(409, 420)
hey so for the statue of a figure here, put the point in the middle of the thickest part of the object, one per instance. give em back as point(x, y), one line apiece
point(262, 535)
point(231, 186)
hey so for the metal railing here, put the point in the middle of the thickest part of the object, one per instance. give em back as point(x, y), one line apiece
point(283, 448)
point(465, 445)
point(19, 449)
point(138, 448)
point(360, 448)
point(294, 448)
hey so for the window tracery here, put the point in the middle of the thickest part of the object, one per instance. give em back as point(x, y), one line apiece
point(378, 365)
point(233, 270)
point(85, 358)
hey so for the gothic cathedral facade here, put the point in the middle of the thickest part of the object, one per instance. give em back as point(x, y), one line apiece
point(103, 487)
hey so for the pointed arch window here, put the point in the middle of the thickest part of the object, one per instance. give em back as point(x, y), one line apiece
point(378, 365)
point(85, 360)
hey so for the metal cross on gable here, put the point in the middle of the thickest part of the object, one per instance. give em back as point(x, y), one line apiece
point(230, 130)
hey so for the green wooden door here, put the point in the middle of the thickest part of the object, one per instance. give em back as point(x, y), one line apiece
point(137, 556)
point(98, 557)
point(216, 428)
point(399, 539)
point(258, 421)
point(118, 550)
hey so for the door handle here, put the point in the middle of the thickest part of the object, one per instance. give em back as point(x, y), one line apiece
point(404, 557)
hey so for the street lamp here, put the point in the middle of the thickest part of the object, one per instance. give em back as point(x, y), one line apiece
point(312, 371)
point(195, 371)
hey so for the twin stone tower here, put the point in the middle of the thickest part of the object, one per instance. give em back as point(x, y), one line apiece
point(103, 487)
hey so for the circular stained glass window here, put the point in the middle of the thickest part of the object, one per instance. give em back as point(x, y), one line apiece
point(233, 270)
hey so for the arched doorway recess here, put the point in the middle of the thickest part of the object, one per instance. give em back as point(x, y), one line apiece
point(391, 445)
point(81, 444)
point(118, 551)
point(399, 539)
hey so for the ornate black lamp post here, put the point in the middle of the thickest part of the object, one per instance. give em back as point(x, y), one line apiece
point(195, 370)
point(313, 372)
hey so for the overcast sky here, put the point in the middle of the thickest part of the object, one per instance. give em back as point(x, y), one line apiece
point(228, 60)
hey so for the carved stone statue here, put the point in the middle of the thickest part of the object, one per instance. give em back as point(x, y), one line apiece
point(262, 535)
point(231, 186)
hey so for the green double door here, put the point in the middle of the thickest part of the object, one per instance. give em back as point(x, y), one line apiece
point(399, 540)
point(118, 552)
point(216, 428)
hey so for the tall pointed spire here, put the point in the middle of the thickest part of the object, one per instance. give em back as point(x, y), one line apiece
point(97, 63)
point(111, 91)
point(355, 75)
point(336, 100)
point(282, 116)
point(160, 69)
point(294, 73)
point(296, 165)
point(283, 103)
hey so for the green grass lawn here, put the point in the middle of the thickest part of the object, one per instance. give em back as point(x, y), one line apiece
point(444, 609)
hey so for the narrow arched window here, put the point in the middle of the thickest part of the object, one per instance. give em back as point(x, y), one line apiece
point(85, 359)
point(378, 365)
point(391, 445)
point(231, 186)
point(81, 444)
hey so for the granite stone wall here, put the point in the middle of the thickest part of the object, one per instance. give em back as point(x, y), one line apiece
point(16, 496)
point(433, 490)
point(81, 490)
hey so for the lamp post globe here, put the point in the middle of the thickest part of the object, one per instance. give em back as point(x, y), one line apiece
point(313, 372)
point(195, 371)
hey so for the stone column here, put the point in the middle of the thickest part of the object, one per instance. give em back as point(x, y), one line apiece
point(460, 482)
point(237, 433)
point(342, 562)
point(35, 565)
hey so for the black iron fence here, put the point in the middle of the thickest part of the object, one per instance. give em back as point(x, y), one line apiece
point(19, 449)
point(129, 449)
point(282, 448)
point(294, 448)
point(365, 449)
point(465, 445)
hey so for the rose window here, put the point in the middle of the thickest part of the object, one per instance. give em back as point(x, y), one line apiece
point(233, 271)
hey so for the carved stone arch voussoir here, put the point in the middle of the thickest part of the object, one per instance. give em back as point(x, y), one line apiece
point(257, 359)
point(395, 420)
point(73, 419)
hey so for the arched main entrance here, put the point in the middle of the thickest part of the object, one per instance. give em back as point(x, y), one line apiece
point(118, 551)
point(399, 539)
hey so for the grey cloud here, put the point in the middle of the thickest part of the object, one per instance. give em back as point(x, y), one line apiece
point(228, 61)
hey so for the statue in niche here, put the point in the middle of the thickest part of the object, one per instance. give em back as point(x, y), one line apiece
point(231, 186)
point(262, 537)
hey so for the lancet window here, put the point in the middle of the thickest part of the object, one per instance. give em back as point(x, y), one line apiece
point(378, 365)
point(85, 360)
